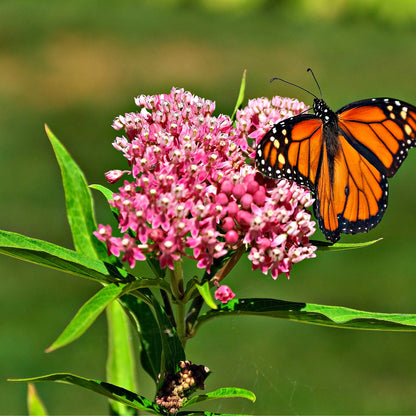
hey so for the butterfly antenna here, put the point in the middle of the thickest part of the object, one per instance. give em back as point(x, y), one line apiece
point(295, 85)
point(316, 81)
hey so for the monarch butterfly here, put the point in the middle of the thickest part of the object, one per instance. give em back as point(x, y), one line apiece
point(343, 157)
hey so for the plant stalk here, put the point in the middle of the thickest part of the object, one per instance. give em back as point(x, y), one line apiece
point(176, 284)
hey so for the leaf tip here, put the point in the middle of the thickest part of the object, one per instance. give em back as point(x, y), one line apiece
point(50, 349)
point(48, 130)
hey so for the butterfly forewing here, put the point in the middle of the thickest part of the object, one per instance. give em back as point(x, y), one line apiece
point(381, 129)
point(291, 150)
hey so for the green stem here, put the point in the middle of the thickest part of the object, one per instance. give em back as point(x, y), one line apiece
point(176, 280)
point(180, 322)
point(176, 284)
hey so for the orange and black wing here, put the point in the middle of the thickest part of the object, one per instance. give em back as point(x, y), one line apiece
point(355, 200)
point(292, 149)
point(346, 164)
point(375, 136)
point(381, 129)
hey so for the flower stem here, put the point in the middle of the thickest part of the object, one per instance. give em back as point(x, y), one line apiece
point(180, 322)
point(176, 284)
point(176, 280)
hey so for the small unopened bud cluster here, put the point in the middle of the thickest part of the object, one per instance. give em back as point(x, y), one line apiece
point(177, 387)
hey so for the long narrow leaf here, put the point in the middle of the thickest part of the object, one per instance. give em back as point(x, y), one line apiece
point(51, 255)
point(108, 193)
point(89, 312)
point(120, 359)
point(87, 315)
point(173, 351)
point(334, 316)
point(150, 339)
point(240, 97)
point(106, 389)
point(79, 204)
point(222, 393)
point(327, 246)
point(35, 406)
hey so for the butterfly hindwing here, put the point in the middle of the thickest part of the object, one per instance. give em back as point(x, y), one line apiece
point(357, 198)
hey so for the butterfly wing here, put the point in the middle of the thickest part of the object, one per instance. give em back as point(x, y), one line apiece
point(356, 198)
point(381, 129)
point(292, 150)
point(371, 139)
point(375, 136)
point(295, 149)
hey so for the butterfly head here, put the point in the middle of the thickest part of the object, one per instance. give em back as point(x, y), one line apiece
point(322, 111)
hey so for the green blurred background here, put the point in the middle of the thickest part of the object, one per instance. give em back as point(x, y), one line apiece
point(76, 65)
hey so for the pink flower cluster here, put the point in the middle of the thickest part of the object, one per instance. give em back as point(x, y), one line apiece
point(192, 192)
point(258, 117)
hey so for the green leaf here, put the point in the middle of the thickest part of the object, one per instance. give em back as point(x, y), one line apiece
point(240, 98)
point(147, 327)
point(90, 311)
point(335, 316)
point(106, 389)
point(108, 193)
point(79, 204)
point(34, 403)
point(206, 295)
point(172, 348)
point(59, 258)
point(222, 393)
point(327, 246)
point(141, 283)
point(87, 315)
point(120, 359)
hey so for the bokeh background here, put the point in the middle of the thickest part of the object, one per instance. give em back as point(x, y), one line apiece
point(76, 65)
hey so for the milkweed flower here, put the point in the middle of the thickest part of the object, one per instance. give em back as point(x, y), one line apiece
point(258, 117)
point(224, 294)
point(192, 193)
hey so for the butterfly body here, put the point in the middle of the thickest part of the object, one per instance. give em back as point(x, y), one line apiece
point(330, 132)
point(343, 157)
